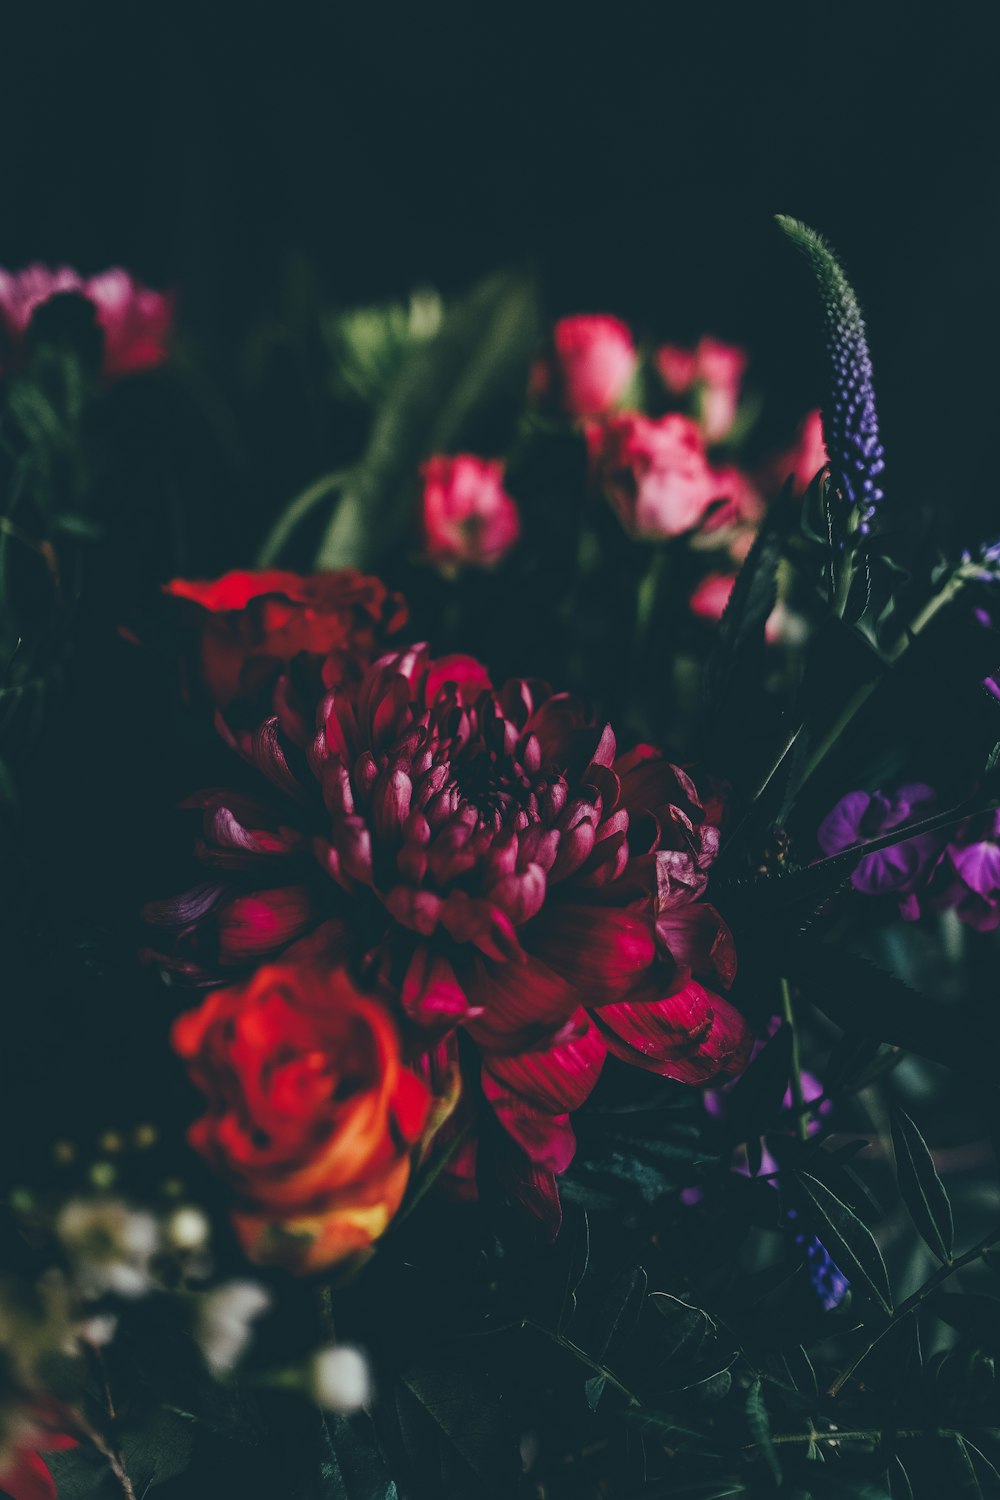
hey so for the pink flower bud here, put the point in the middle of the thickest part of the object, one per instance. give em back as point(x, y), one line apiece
point(594, 361)
point(469, 520)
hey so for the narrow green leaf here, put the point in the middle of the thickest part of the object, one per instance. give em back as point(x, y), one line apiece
point(976, 1315)
point(594, 1390)
point(922, 1189)
point(687, 1326)
point(759, 1424)
point(849, 1241)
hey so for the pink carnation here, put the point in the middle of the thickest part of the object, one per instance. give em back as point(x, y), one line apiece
point(717, 369)
point(594, 361)
point(135, 321)
point(469, 520)
point(654, 473)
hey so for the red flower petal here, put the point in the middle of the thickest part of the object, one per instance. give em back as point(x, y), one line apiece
point(547, 1139)
point(599, 950)
point(691, 1036)
point(556, 1078)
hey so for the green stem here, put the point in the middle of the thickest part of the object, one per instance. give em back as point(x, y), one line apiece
point(798, 1098)
point(919, 623)
point(295, 513)
point(919, 1296)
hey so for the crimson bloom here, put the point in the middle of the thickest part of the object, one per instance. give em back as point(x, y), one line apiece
point(503, 871)
point(469, 520)
point(27, 1476)
point(654, 472)
point(249, 627)
point(136, 321)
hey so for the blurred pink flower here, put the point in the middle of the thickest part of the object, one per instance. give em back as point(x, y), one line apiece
point(135, 321)
point(653, 471)
point(717, 370)
point(469, 520)
point(678, 368)
point(593, 364)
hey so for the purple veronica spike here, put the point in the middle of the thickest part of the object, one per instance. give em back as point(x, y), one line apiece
point(825, 1277)
point(850, 422)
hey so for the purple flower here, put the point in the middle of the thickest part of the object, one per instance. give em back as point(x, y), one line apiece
point(900, 870)
point(825, 1277)
point(850, 422)
point(972, 859)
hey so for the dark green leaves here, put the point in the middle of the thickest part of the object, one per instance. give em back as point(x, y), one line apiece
point(759, 1424)
point(758, 1096)
point(922, 1189)
point(849, 1241)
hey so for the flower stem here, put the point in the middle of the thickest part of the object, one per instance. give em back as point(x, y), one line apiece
point(798, 1098)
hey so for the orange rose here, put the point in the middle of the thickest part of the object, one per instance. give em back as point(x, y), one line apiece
point(252, 625)
point(312, 1116)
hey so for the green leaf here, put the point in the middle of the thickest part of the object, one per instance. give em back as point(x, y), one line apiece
point(759, 1424)
point(863, 998)
point(899, 1481)
point(922, 1189)
point(354, 1468)
point(849, 1241)
point(594, 1390)
point(976, 1315)
point(450, 1410)
point(482, 352)
point(687, 1327)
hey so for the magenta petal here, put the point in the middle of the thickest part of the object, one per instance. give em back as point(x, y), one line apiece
point(691, 1036)
point(534, 1188)
point(556, 1078)
point(263, 922)
point(521, 1004)
point(599, 950)
point(979, 866)
point(547, 1139)
point(698, 940)
point(431, 993)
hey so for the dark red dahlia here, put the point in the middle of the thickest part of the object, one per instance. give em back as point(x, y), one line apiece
point(501, 867)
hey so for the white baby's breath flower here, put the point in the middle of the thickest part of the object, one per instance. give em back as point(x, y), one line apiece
point(223, 1328)
point(339, 1378)
point(110, 1245)
point(188, 1229)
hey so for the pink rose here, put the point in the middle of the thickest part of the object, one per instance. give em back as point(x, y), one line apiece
point(469, 520)
point(717, 369)
point(135, 321)
point(594, 361)
point(654, 472)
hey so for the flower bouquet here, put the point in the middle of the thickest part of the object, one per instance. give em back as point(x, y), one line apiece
point(498, 951)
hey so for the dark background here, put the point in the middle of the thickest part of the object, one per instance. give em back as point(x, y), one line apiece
point(636, 152)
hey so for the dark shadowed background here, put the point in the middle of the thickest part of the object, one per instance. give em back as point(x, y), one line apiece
point(636, 152)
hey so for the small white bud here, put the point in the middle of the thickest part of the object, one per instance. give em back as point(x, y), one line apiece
point(223, 1328)
point(188, 1229)
point(339, 1378)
